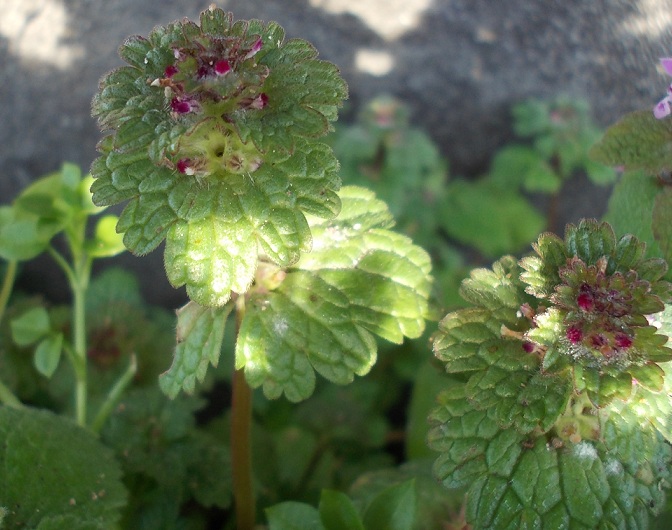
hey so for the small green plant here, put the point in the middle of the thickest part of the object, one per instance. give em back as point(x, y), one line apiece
point(552, 379)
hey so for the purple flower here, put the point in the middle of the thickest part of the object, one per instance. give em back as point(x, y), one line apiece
point(222, 67)
point(664, 106)
point(253, 51)
point(183, 104)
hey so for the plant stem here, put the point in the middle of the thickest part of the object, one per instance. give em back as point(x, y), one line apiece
point(78, 277)
point(8, 398)
point(6, 395)
point(7, 286)
point(241, 452)
point(114, 395)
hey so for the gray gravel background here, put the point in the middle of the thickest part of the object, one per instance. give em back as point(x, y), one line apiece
point(458, 64)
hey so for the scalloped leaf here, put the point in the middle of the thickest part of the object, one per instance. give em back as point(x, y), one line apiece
point(493, 220)
point(54, 472)
point(637, 141)
point(618, 483)
point(514, 392)
point(200, 332)
point(590, 240)
point(359, 280)
point(468, 440)
point(634, 195)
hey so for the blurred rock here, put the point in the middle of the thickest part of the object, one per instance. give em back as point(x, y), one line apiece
point(458, 64)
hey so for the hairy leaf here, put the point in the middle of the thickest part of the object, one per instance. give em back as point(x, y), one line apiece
point(200, 331)
point(637, 141)
point(213, 145)
point(359, 281)
point(54, 472)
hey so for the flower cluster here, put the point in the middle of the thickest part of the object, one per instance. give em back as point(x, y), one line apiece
point(213, 132)
point(601, 291)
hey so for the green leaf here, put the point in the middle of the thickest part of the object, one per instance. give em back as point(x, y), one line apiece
point(517, 165)
point(392, 509)
point(637, 141)
point(55, 471)
point(20, 235)
point(106, 241)
point(492, 220)
point(31, 326)
point(200, 332)
point(359, 280)
point(661, 222)
point(337, 512)
point(48, 354)
point(599, 173)
point(292, 515)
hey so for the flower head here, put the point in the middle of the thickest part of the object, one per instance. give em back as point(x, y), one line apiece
point(664, 107)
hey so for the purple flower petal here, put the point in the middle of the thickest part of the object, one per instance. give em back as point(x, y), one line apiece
point(257, 46)
point(666, 62)
point(222, 67)
point(662, 109)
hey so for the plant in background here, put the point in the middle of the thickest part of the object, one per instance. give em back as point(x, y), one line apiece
point(75, 467)
point(492, 213)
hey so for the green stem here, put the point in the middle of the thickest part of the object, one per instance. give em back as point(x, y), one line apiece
point(7, 286)
point(6, 395)
point(79, 287)
point(114, 395)
point(8, 398)
point(241, 452)
point(78, 277)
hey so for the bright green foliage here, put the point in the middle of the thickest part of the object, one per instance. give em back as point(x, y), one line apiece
point(563, 369)
point(58, 202)
point(56, 474)
point(637, 141)
point(360, 280)
point(633, 197)
point(338, 512)
point(200, 331)
point(399, 163)
point(562, 134)
point(33, 326)
point(213, 145)
point(491, 214)
point(493, 219)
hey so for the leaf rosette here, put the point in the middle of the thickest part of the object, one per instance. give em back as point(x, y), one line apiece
point(213, 145)
point(563, 361)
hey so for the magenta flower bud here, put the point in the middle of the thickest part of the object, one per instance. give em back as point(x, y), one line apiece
point(528, 346)
point(181, 105)
point(170, 70)
point(585, 301)
point(574, 335)
point(259, 102)
point(254, 50)
point(222, 67)
point(622, 340)
point(185, 166)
